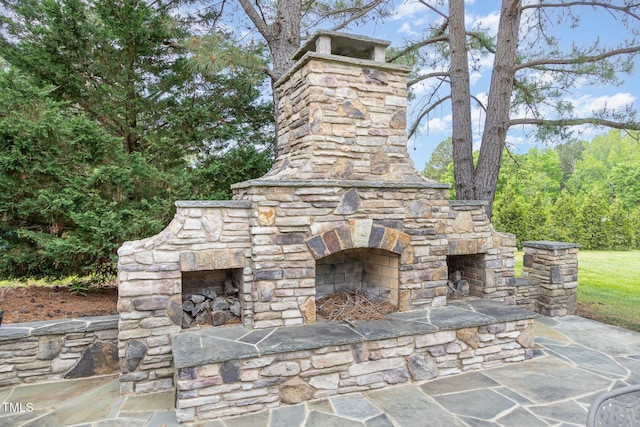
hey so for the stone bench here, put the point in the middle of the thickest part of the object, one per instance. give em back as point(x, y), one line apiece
point(235, 370)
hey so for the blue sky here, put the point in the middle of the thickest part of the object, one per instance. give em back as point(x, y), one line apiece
point(411, 18)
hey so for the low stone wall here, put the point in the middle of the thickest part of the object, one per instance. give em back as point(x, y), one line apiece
point(56, 349)
point(237, 371)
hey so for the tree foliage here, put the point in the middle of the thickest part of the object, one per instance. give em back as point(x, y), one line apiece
point(107, 123)
point(595, 205)
point(533, 72)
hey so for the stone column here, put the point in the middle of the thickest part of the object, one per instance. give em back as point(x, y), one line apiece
point(555, 266)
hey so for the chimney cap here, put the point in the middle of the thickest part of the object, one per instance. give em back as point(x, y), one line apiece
point(344, 44)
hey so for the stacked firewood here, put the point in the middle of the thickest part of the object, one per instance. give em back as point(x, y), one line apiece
point(206, 307)
point(457, 285)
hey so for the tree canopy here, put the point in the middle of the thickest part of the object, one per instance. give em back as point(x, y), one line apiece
point(595, 202)
point(532, 72)
point(106, 121)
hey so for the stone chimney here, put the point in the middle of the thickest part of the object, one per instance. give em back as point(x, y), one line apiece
point(342, 113)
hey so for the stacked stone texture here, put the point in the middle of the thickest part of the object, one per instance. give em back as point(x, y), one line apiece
point(238, 387)
point(554, 265)
point(52, 350)
point(202, 236)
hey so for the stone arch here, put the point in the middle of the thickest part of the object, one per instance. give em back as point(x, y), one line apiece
point(359, 233)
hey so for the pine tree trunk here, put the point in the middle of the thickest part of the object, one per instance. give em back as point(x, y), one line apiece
point(498, 104)
point(460, 103)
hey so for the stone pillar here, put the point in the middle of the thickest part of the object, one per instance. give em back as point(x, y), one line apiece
point(555, 266)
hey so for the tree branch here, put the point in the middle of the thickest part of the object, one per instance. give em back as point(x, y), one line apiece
point(579, 60)
point(360, 12)
point(416, 123)
point(418, 45)
point(427, 76)
point(576, 122)
point(624, 9)
point(257, 20)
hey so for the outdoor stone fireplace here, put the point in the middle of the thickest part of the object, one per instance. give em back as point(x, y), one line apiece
point(342, 208)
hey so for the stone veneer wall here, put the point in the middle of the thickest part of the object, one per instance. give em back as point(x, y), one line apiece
point(252, 384)
point(55, 349)
point(554, 265)
point(202, 236)
point(274, 237)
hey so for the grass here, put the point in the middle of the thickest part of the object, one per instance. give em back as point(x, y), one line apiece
point(608, 286)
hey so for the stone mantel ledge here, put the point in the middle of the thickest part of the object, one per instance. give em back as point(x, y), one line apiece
point(216, 345)
point(204, 204)
point(549, 245)
point(12, 331)
point(339, 183)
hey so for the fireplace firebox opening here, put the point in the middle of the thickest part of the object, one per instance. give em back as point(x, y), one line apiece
point(466, 275)
point(374, 272)
point(211, 297)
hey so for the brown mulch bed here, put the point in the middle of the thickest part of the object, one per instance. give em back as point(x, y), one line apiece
point(33, 303)
point(349, 306)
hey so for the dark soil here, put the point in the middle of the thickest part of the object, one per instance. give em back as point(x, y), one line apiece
point(33, 303)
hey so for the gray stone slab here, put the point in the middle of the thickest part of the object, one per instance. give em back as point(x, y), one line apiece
point(255, 336)
point(293, 415)
point(20, 418)
point(100, 323)
point(475, 422)
point(457, 383)
point(482, 404)
point(391, 328)
point(354, 406)
point(305, 337)
point(93, 406)
point(379, 421)
point(589, 359)
point(50, 395)
point(453, 317)
point(192, 349)
point(408, 406)
point(420, 315)
point(60, 327)
point(322, 405)
point(321, 419)
point(259, 419)
point(126, 421)
point(520, 417)
point(507, 392)
point(568, 412)
point(14, 332)
point(235, 332)
point(547, 380)
point(499, 311)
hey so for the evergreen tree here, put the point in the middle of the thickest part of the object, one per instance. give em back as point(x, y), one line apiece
point(108, 126)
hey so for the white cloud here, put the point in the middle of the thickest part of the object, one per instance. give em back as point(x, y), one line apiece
point(437, 125)
point(408, 8)
point(405, 28)
point(489, 22)
point(586, 104)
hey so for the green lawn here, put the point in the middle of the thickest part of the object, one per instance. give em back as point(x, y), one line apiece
point(608, 286)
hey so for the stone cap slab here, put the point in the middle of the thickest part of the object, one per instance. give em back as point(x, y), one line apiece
point(12, 331)
point(545, 244)
point(217, 345)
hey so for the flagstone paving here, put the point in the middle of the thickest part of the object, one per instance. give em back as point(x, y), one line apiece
point(578, 359)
